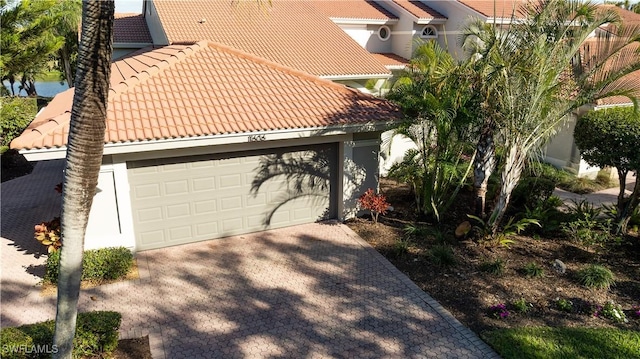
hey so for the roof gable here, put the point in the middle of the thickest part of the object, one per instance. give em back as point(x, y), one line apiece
point(205, 89)
point(292, 33)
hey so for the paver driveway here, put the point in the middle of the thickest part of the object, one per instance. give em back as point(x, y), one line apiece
point(311, 291)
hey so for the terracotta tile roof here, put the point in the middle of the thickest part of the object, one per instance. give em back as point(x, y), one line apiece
point(631, 81)
point(292, 33)
point(131, 28)
point(629, 18)
point(419, 10)
point(391, 60)
point(495, 8)
point(354, 10)
point(205, 89)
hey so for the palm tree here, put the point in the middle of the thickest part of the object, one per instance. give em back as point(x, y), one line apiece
point(84, 157)
point(539, 70)
point(439, 110)
point(68, 14)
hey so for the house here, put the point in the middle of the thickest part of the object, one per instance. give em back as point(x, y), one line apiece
point(130, 33)
point(204, 141)
point(562, 151)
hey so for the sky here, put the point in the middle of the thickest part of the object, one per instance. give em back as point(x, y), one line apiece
point(129, 6)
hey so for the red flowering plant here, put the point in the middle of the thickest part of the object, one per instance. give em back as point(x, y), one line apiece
point(376, 203)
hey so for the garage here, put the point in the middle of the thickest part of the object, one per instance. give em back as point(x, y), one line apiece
point(193, 198)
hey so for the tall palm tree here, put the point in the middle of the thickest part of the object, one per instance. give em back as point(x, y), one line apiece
point(84, 157)
point(68, 14)
point(540, 69)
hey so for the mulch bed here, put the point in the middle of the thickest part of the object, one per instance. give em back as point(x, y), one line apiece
point(467, 292)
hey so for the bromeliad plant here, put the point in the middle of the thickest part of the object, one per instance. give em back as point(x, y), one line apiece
point(48, 233)
point(376, 203)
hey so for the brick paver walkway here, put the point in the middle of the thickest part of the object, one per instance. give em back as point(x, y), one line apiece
point(311, 291)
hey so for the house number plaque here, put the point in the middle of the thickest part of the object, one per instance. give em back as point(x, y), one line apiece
point(256, 138)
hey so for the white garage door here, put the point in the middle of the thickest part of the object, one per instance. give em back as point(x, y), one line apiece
point(183, 200)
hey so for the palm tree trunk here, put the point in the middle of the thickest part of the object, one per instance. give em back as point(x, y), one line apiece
point(513, 166)
point(84, 157)
point(627, 205)
point(483, 166)
point(66, 63)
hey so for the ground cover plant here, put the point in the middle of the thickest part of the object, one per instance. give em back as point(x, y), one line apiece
point(98, 265)
point(490, 287)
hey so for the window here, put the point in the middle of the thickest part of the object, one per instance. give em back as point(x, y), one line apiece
point(429, 32)
point(384, 33)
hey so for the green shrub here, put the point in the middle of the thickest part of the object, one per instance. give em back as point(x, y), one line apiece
point(99, 264)
point(596, 276)
point(532, 190)
point(564, 305)
point(521, 305)
point(11, 340)
point(533, 270)
point(15, 115)
point(96, 334)
point(442, 255)
point(613, 311)
point(495, 267)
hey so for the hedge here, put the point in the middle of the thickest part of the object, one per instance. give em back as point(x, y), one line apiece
point(15, 115)
point(96, 334)
point(98, 264)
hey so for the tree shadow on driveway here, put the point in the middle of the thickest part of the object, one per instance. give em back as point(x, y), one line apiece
point(287, 293)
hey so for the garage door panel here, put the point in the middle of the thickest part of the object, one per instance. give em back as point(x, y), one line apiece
point(183, 200)
point(180, 187)
point(203, 184)
point(230, 181)
point(207, 207)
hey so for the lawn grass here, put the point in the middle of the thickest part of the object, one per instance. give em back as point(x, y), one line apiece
point(49, 76)
point(574, 343)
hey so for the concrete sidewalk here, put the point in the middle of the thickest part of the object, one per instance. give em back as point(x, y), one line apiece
point(310, 291)
point(607, 196)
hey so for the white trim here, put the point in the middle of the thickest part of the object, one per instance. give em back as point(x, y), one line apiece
point(604, 107)
point(385, 27)
point(203, 141)
point(345, 21)
point(123, 198)
point(356, 77)
point(364, 143)
point(228, 148)
point(430, 21)
point(131, 45)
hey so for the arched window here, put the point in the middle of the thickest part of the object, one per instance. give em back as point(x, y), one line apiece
point(429, 32)
point(384, 33)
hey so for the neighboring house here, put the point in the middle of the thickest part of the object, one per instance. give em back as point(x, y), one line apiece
point(291, 33)
point(206, 141)
point(562, 151)
point(130, 33)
